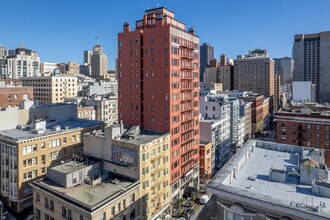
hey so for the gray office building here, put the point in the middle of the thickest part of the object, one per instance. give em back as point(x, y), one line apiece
point(284, 67)
point(206, 54)
point(311, 54)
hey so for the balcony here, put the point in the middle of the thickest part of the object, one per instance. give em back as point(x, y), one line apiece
point(187, 57)
point(187, 46)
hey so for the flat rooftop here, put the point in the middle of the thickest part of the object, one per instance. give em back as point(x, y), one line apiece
point(72, 166)
point(144, 137)
point(256, 167)
point(71, 124)
point(88, 196)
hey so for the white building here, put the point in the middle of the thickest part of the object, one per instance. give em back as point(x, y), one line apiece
point(303, 91)
point(103, 87)
point(261, 182)
point(220, 124)
point(20, 63)
point(48, 68)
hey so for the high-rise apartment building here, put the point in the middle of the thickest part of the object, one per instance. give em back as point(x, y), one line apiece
point(158, 77)
point(284, 67)
point(255, 72)
point(206, 55)
point(99, 62)
point(52, 89)
point(87, 56)
point(311, 54)
point(21, 62)
point(225, 74)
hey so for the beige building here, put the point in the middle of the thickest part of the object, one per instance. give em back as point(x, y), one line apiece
point(246, 111)
point(27, 151)
point(82, 190)
point(47, 68)
point(142, 155)
point(86, 112)
point(20, 62)
point(99, 62)
point(106, 108)
point(255, 72)
point(72, 68)
point(225, 74)
point(52, 89)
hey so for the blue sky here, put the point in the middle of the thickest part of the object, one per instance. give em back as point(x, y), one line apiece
point(60, 30)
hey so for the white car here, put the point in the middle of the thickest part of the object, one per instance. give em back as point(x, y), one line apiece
point(204, 199)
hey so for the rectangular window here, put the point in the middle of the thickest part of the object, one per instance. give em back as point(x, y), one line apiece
point(69, 214)
point(46, 203)
point(63, 212)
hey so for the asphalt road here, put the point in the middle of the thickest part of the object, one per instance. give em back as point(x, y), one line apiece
point(206, 212)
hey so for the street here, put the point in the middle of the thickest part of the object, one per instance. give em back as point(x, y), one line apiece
point(206, 212)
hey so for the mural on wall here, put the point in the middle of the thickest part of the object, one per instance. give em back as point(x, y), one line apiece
point(124, 156)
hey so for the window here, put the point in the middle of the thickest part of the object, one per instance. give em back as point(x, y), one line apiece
point(37, 197)
point(318, 127)
point(51, 205)
point(29, 149)
point(54, 155)
point(37, 214)
point(30, 175)
point(46, 203)
point(69, 214)
point(317, 136)
point(309, 127)
point(63, 212)
point(28, 190)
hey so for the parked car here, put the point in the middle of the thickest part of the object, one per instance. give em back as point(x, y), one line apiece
point(204, 199)
point(189, 213)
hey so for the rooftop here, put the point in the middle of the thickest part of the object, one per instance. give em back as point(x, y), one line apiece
point(132, 135)
point(252, 179)
point(88, 196)
point(18, 134)
point(72, 166)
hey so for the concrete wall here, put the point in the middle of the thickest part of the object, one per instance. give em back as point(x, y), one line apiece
point(66, 179)
point(308, 174)
point(302, 91)
point(12, 117)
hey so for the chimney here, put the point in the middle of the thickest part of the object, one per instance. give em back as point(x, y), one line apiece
point(223, 61)
point(121, 127)
point(126, 27)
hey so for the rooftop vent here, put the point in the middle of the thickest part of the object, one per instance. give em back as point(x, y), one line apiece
point(57, 127)
point(114, 181)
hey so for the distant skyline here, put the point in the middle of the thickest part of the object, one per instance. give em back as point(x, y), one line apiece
point(61, 30)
